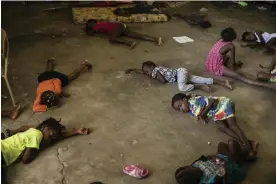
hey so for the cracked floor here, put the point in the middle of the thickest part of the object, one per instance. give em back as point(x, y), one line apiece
point(130, 116)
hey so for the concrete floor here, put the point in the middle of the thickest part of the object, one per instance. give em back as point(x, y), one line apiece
point(130, 115)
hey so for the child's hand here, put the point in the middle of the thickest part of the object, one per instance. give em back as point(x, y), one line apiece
point(216, 103)
point(160, 77)
point(83, 131)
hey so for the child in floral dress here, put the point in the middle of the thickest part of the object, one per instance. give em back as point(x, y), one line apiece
point(219, 109)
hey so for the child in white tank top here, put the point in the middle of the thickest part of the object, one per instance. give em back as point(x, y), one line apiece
point(266, 37)
point(259, 38)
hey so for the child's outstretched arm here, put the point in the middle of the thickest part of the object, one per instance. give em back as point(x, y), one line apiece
point(139, 71)
point(203, 115)
point(74, 132)
point(252, 45)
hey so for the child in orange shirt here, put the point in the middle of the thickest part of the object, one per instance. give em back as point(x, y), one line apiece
point(50, 86)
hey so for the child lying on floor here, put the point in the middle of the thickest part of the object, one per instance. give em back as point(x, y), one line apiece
point(25, 143)
point(116, 31)
point(259, 38)
point(224, 167)
point(219, 109)
point(185, 80)
point(50, 86)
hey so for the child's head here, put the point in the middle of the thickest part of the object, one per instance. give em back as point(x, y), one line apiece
point(147, 67)
point(180, 102)
point(228, 34)
point(51, 130)
point(89, 26)
point(188, 175)
point(248, 36)
point(48, 98)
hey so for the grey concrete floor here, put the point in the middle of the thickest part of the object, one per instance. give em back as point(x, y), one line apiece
point(130, 115)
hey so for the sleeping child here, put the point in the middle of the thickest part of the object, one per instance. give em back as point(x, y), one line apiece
point(25, 143)
point(227, 166)
point(185, 80)
point(116, 31)
point(259, 38)
point(51, 84)
point(219, 109)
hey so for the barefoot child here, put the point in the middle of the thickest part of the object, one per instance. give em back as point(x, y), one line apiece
point(25, 143)
point(259, 38)
point(185, 80)
point(219, 109)
point(227, 166)
point(50, 86)
point(116, 31)
point(221, 60)
point(12, 114)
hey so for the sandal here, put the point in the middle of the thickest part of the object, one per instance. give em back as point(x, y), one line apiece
point(136, 171)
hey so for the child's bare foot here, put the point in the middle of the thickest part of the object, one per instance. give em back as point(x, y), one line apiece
point(133, 45)
point(206, 88)
point(228, 85)
point(16, 112)
point(160, 42)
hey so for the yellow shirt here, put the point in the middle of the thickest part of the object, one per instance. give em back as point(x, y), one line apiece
point(13, 146)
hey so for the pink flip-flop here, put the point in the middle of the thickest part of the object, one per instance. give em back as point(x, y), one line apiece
point(136, 171)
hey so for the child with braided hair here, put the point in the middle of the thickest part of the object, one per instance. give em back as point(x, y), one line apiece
point(25, 143)
point(221, 60)
point(51, 83)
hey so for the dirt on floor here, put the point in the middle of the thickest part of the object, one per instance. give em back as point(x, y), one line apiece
point(130, 115)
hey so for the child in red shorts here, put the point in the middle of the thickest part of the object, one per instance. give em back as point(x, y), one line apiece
point(116, 31)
